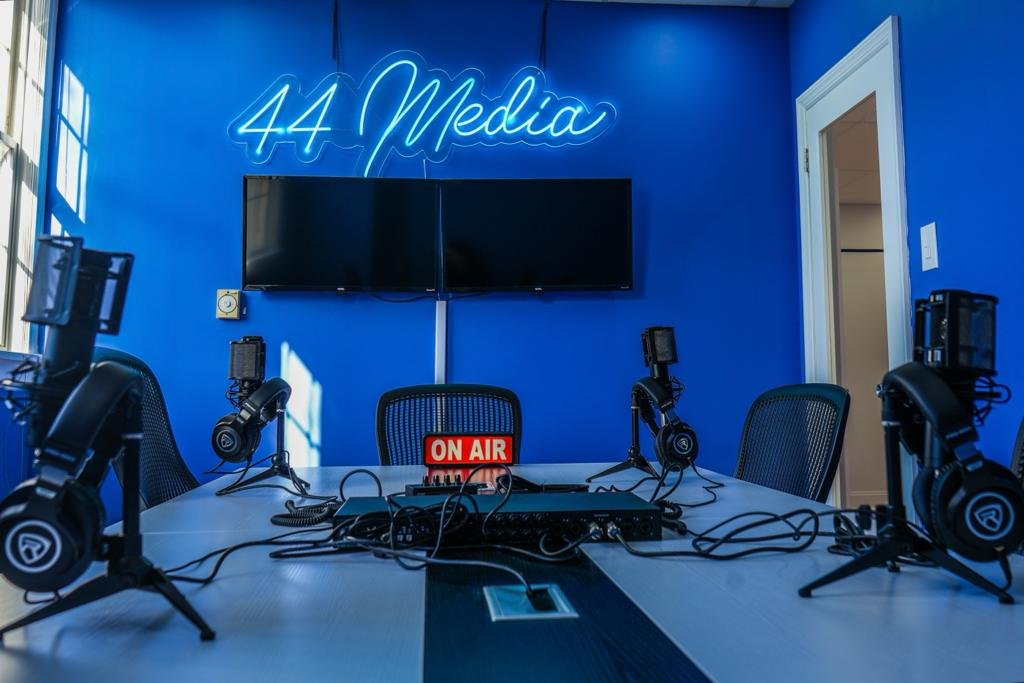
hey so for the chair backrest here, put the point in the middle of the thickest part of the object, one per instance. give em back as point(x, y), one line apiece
point(1017, 460)
point(163, 473)
point(793, 438)
point(407, 414)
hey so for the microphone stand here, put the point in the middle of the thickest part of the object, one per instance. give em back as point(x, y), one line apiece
point(279, 466)
point(127, 568)
point(634, 459)
point(896, 538)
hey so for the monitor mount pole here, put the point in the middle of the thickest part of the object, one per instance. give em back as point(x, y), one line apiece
point(279, 467)
point(127, 568)
point(634, 459)
point(895, 537)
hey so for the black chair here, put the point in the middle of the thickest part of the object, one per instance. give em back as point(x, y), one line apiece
point(793, 438)
point(1017, 461)
point(407, 414)
point(163, 473)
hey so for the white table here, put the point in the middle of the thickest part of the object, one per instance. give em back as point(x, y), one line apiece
point(352, 617)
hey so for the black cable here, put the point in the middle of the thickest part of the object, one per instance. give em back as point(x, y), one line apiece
point(360, 470)
point(715, 543)
point(428, 560)
point(711, 488)
point(335, 38)
point(229, 550)
point(542, 56)
point(306, 515)
point(592, 535)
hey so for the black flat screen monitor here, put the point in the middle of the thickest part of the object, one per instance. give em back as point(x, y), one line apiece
point(538, 235)
point(358, 234)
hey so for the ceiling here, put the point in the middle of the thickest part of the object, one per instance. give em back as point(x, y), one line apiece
point(721, 3)
point(855, 155)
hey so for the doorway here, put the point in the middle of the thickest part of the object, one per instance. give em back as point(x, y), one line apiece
point(854, 255)
point(855, 211)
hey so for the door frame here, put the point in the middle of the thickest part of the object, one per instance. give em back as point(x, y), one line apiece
point(871, 67)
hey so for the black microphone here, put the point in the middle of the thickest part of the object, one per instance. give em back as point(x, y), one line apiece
point(76, 293)
point(659, 346)
point(67, 355)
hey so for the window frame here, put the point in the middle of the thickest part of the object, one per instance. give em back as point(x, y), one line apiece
point(12, 143)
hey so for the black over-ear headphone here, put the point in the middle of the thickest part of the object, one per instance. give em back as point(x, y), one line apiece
point(970, 504)
point(675, 442)
point(236, 436)
point(51, 526)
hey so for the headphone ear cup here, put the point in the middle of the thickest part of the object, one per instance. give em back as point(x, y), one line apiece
point(254, 437)
point(47, 544)
point(676, 444)
point(922, 497)
point(947, 481)
point(982, 513)
point(82, 513)
point(227, 440)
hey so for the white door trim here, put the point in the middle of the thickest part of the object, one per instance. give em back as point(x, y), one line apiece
point(871, 67)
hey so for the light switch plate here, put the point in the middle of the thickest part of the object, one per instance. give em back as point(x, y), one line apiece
point(929, 248)
point(229, 304)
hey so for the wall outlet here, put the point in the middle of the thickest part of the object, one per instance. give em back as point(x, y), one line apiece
point(929, 248)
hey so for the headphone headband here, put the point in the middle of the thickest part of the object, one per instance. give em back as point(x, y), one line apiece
point(275, 391)
point(68, 444)
point(938, 404)
point(656, 392)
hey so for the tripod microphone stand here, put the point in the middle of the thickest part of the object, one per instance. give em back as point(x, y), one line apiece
point(896, 538)
point(127, 568)
point(279, 466)
point(634, 459)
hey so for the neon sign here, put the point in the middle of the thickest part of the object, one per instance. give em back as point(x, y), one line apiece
point(403, 107)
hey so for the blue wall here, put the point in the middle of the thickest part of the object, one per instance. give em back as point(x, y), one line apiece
point(704, 129)
point(962, 101)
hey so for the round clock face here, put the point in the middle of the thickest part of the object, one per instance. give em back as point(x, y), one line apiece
point(227, 304)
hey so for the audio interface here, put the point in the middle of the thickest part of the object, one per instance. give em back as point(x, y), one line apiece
point(525, 517)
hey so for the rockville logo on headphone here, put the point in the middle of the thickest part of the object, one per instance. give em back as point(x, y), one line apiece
point(989, 515)
point(226, 441)
point(33, 546)
point(683, 444)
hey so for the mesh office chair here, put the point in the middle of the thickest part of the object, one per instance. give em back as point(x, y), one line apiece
point(162, 472)
point(1017, 461)
point(793, 438)
point(407, 414)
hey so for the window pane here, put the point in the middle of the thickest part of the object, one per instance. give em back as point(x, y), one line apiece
point(6, 23)
point(6, 194)
point(19, 328)
point(32, 133)
point(26, 224)
point(5, 82)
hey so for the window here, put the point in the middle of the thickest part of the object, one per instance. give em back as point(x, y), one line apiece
point(24, 40)
point(302, 424)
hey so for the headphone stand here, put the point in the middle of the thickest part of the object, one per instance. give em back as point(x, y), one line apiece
point(634, 459)
point(279, 467)
point(127, 568)
point(896, 539)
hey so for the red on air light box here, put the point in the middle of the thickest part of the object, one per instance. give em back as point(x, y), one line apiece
point(469, 450)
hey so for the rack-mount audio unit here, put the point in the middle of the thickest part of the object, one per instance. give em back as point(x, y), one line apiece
point(524, 518)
